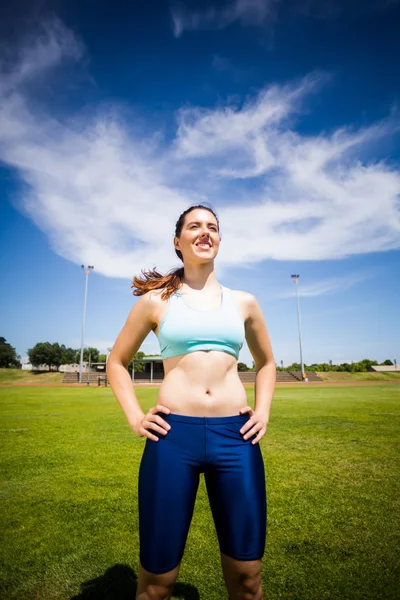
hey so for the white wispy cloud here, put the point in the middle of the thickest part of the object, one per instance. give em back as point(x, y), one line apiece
point(326, 286)
point(44, 49)
point(253, 12)
point(253, 128)
point(111, 198)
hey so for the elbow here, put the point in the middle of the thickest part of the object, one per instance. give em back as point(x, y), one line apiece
point(268, 363)
point(111, 364)
point(114, 362)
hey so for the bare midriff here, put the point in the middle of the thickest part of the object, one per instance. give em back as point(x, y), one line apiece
point(202, 384)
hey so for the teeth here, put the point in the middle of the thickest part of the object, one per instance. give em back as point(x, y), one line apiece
point(204, 245)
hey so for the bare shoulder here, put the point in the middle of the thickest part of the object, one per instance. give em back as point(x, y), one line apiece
point(245, 296)
point(156, 305)
point(153, 297)
point(141, 320)
point(246, 303)
point(142, 308)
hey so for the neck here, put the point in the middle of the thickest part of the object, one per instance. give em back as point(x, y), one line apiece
point(200, 277)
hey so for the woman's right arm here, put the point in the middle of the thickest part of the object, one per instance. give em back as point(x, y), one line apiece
point(138, 325)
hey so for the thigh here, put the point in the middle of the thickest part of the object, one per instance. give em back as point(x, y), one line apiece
point(237, 494)
point(168, 482)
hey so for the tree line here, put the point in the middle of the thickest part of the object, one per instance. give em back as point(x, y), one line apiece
point(55, 355)
point(353, 367)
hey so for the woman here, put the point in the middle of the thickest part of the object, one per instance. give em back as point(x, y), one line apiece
point(202, 423)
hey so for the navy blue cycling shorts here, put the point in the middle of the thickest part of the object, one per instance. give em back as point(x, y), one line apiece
point(169, 477)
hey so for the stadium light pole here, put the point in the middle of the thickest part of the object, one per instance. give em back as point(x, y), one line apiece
point(296, 280)
point(87, 271)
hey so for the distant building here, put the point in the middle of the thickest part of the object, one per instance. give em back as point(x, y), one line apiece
point(74, 368)
point(384, 368)
point(27, 366)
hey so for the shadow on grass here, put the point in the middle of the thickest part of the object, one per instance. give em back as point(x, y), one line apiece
point(120, 583)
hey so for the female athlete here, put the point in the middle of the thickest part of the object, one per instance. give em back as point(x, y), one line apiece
point(201, 423)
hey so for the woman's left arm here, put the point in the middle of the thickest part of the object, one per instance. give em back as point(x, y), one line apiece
point(260, 347)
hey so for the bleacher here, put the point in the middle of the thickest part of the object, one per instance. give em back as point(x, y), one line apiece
point(311, 375)
point(281, 376)
point(92, 375)
point(70, 378)
point(145, 376)
point(285, 377)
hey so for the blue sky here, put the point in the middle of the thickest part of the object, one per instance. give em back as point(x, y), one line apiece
point(283, 115)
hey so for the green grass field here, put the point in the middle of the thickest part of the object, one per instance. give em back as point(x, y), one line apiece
point(69, 466)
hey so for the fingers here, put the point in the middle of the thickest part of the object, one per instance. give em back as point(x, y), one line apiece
point(160, 408)
point(261, 434)
point(243, 411)
point(155, 417)
point(147, 425)
point(253, 426)
point(248, 423)
point(143, 431)
point(156, 427)
point(155, 422)
point(252, 431)
point(159, 420)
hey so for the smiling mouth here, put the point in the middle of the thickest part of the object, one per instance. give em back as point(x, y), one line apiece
point(204, 246)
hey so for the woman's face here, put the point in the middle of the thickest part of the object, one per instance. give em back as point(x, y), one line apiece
point(199, 240)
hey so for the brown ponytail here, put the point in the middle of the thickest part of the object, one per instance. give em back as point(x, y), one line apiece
point(170, 283)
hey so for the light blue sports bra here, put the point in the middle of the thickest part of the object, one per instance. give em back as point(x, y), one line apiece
point(185, 329)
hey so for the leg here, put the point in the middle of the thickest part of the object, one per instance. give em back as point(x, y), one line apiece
point(168, 482)
point(155, 587)
point(236, 489)
point(242, 578)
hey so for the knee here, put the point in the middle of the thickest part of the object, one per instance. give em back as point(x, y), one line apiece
point(159, 592)
point(250, 587)
point(156, 592)
point(156, 587)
